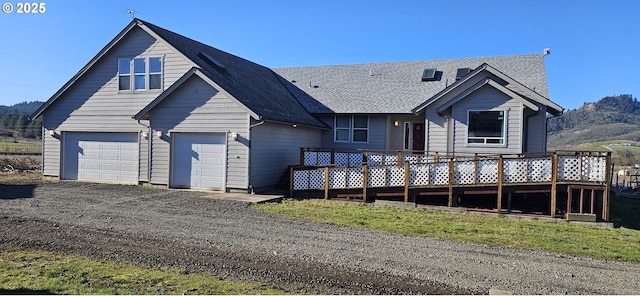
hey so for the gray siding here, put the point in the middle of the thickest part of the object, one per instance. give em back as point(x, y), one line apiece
point(436, 132)
point(377, 134)
point(485, 99)
point(274, 147)
point(196, 107)
point(51, 154)
point(143, 154)
point(94, 104)
point(536, 130)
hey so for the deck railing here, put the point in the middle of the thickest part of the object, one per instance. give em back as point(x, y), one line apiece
point(388, 170)
point(327, 170)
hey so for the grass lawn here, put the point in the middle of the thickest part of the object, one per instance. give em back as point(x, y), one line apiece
point(36, 272)
point(621, 244)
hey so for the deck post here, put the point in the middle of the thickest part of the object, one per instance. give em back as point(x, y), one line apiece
point(333, 156)
point(581, 200)
point(500, 179)
point(451, 178)
point(554, 178)
point(509, 195)
point(291, 182)
point(407, 178)
point(569, 198)
point(302, 156)
point(399, 158)
point(475, 168)
point(365, 182)
point(593, 204)
point(326, 182)
point(607, 188)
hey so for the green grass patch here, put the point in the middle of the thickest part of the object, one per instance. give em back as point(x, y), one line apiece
point(35, 272)
point(619, 244)
point(20, 146)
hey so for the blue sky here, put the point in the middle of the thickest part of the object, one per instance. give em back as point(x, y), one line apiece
point(595, 45)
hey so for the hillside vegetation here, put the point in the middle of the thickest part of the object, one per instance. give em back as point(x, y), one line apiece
point(610, 124)
point(15, 121)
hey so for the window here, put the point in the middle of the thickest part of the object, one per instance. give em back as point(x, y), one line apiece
point(351, 128)
point(155, 73)
point(140, 73)
point(147, 74)
point(124, 74)
point(486, 127)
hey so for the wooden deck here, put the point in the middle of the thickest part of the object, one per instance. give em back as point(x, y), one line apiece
point(422, 178)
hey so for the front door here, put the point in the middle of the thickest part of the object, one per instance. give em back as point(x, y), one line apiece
point(418, 137)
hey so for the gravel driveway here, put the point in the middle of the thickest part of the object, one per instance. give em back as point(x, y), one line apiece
point(194, 232)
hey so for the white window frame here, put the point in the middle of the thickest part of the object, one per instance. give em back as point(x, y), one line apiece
point(502, 138)
point(351, 129)
point(147, 74)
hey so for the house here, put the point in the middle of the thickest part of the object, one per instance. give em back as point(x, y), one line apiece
point(157, 107)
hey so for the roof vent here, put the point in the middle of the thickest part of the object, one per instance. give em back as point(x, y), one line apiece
point(212, 61)
point(462, 72)
point(429, 74)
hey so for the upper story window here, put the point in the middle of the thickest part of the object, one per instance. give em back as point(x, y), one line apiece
point(351, 128)
point(147, 74)
point(486, 127)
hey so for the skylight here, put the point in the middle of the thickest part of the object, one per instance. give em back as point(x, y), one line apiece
point(462, 72)
point(212, 61)
point(429, 74)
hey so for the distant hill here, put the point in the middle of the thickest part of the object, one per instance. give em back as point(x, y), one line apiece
point(15, 121)
point(611, 118)
point(21, 108)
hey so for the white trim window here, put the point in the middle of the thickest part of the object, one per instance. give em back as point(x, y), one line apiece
point(140, 74)
point(486, 127)
point(351, 128)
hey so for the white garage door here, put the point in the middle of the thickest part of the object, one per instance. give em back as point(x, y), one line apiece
point(102, 157)
point(198, 161)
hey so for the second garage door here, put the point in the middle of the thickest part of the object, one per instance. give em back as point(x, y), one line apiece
point(198, 161)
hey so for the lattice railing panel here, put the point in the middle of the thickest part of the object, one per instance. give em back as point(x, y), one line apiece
point(395, 176)
point(569, 168)
point(417, 158)
point(310, 158)
point(515, 170)
point(341, 159)
point(420, 174)
point(440, 173)
point(354, 177)
point(540, 169)
point(308, 179)
point(376, 176)
point(464, 172)
point(487, 171)
point(350, 159)
point(594, 168)
point(337, 178)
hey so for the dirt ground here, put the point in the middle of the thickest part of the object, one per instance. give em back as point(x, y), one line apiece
point(192, 232)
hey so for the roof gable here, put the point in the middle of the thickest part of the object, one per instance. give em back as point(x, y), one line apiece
point(509, 86)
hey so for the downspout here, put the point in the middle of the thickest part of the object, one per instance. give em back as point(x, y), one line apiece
point(261, 122)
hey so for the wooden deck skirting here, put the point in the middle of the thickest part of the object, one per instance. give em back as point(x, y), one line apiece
point(400, 174)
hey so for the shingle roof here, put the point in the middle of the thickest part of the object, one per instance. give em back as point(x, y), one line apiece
point(396, 87)
point(255, 86)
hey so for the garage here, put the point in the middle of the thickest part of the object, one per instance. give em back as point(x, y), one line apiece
point(198, 161)
point(101, 157)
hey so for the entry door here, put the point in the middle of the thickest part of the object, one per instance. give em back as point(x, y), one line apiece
point(418, 136)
